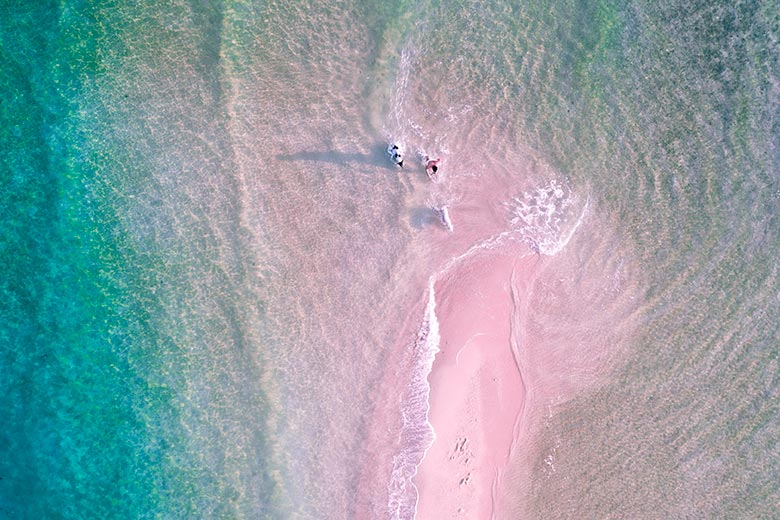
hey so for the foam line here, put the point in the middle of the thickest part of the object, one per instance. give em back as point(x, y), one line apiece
point(417, 434)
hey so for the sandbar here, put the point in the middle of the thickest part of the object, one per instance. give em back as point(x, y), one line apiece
point(477, 395)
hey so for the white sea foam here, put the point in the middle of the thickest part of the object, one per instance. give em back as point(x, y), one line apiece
point(546, 217)
point(417, 434)
point(444, 212)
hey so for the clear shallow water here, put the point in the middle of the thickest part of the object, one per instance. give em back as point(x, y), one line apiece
point(214, 278)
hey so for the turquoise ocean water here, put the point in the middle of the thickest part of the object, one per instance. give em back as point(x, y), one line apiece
point(212, 276)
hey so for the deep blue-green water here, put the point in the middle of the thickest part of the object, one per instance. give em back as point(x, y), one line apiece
point(209, 265)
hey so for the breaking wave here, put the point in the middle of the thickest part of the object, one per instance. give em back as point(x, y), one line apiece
point(417, 434)
point(546, 217)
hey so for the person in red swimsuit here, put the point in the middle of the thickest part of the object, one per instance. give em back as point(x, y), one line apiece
point(432, 167)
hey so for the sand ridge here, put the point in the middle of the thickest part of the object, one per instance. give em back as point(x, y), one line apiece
point(477, 391)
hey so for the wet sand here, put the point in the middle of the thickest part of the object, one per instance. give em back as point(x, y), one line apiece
point(477, 394)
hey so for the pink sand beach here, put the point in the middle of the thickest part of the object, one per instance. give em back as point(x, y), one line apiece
point(478, 396)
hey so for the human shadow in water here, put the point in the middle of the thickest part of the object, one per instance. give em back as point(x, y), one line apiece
point(377, 156)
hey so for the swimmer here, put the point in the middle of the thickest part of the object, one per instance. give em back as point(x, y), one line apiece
point(432, 167)
point(395, 154)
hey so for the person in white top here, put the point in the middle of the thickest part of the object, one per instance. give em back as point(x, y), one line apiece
point(395, 154)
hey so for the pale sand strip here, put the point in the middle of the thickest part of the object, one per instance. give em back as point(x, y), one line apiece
point(477, 392)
